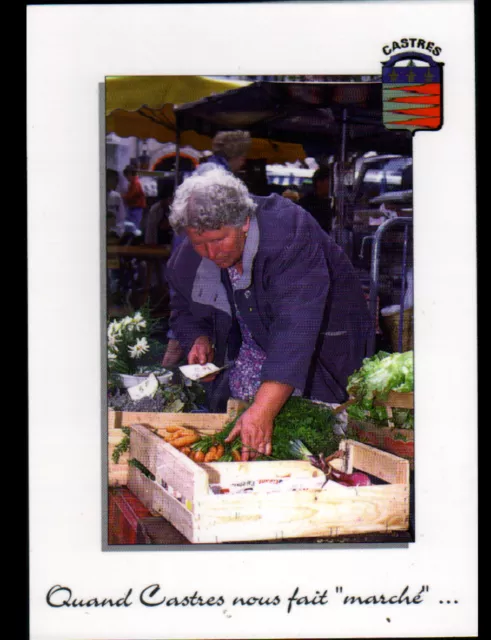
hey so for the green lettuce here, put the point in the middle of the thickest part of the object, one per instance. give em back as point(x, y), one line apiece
point(378, 375)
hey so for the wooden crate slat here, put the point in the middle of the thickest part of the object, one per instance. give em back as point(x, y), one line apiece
point(167, 463)
point(141, 486)
point(226, 472)
point(302, 514)
point(210, 422)
point(400, 400)
point(180, 473)
point(144, 446)
point(118, 474)
point(171, 509)
point(381, 464)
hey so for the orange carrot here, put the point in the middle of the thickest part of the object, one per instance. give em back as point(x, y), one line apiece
point(178, 432)
point(175, 428)
point(172, 436)
point(185, 440)
point(186, 450)
point(199, 456)
point(211, 455)
point(220, 451)
point(236, 455)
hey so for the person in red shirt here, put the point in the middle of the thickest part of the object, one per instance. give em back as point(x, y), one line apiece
point(134, 197)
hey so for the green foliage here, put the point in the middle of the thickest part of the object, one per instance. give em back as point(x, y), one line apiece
point(299, 419)
point(377, 376)
point(122, 446)
point(136, 463)
point(205, 443)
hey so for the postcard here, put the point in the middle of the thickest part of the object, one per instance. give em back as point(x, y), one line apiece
point(146, 523)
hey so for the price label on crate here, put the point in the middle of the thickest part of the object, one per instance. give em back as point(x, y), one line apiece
point(145, 389)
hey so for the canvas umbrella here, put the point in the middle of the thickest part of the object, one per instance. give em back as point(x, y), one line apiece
point(143, 106)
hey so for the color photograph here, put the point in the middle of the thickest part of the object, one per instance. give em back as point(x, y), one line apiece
point(261, 226)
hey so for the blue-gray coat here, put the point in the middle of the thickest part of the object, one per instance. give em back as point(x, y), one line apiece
point(298, 293)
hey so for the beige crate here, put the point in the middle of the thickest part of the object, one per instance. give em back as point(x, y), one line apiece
point(206, 423)
point(181, 489)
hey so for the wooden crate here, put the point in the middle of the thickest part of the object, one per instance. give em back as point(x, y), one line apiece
point(400, 442)
point(181, 491)
point(389, 438)
point(207, 423)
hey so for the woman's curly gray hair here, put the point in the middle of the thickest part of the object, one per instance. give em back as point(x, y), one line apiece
point(231, 144)
point(210, 201)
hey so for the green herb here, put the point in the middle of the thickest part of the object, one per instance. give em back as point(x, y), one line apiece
point(400, 436)
point(136, 463)
point(122, 446)
point(299, 419)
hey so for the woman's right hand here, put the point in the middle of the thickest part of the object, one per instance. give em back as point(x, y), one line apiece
point(202, 351)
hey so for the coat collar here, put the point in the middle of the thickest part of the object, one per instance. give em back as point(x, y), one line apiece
point(250, 250)
point(208, 287)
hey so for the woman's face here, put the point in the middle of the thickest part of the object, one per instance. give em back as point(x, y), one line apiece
point(224, 246)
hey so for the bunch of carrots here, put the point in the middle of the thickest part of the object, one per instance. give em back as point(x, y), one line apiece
point(203, 448)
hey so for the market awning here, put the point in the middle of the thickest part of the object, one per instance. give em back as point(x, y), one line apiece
point(311, 114)
point(143, 106)
point(132, 92)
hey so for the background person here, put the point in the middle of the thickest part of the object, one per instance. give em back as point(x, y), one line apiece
point(318, 202)
point(230, 150)
point(158, 229)
point(134, 197)
point(257, 283)
point(116, 211)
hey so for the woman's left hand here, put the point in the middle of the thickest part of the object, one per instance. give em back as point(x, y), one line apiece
point(255, 431)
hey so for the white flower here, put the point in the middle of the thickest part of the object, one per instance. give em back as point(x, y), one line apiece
point(126, 321)
point(135, 323)
point(112, 340)
point(141, 347)
point(139, 322)
point(114, 329)
point(111, 356)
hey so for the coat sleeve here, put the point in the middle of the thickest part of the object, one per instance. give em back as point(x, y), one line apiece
point(299, 283)
point(183, 323)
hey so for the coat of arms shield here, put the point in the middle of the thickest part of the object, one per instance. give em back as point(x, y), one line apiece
point(412, 92)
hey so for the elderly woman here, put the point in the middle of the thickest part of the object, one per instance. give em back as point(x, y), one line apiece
point(258, 285)
point(229, 150)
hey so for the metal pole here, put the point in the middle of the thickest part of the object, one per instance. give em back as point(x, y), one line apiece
point(340, 237)
point(374, 274)
point(178, 148)
point(401, 299)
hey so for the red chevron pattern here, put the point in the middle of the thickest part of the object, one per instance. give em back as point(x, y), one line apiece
point(426, 116)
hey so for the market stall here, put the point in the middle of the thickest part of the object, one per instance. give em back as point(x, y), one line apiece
point(335, 473)
point(324, 480)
